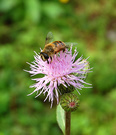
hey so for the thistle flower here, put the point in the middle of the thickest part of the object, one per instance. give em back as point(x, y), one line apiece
point(62, 70)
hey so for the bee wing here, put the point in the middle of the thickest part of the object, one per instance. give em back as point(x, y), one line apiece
point(49, 38)
point(68, 44)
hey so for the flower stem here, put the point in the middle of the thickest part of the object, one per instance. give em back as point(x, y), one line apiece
point(67, 122)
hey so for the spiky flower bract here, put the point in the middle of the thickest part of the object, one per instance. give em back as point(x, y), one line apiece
point(64, 70)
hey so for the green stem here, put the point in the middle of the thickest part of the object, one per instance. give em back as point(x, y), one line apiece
point(67, 122)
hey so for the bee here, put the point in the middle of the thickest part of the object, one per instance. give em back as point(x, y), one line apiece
point(51, 48)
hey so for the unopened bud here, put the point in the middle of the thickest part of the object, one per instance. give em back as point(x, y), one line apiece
point(85, 69)
point(67, 89)
point(69, 102)
point(86, 66)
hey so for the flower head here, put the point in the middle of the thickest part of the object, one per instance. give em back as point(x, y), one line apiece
point(62, 70)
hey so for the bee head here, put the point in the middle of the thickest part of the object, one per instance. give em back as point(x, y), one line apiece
point(44, 56)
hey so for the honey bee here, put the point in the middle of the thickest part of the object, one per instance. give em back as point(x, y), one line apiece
point(51, 48)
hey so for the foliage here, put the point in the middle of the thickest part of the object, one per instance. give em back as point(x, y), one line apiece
point(23, 28)
point(60, 115)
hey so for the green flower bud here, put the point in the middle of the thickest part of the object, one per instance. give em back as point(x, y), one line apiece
point(86, 67)
point(69, 102)
point(85, 70)
point(67, 89)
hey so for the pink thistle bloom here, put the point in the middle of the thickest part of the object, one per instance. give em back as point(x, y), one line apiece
point(63, 69)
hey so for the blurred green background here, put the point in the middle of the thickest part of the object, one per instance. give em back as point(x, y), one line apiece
point(23, 28)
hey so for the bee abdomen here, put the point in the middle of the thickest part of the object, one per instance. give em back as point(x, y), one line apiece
point(58, 43)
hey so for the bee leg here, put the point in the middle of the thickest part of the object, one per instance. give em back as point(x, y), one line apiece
point(47, 61)
point(63, 50)
point(51, 58)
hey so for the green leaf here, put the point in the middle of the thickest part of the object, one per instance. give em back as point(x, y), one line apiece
point(60, 118)
point(33, 10)
point(6, 5)
point(52, 9)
